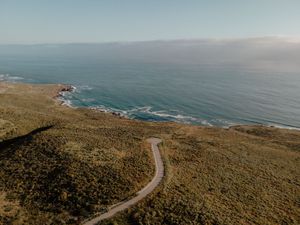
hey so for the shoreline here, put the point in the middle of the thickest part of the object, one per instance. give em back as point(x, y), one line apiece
point(63, 89)
point(68, 88)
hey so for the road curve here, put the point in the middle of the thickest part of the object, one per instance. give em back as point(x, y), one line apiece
point(159, 173)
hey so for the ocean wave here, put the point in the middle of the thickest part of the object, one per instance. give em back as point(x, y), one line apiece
point(10, 78)
point(283, 126)
point(88, 100)
point(147, 113)
point(80, 88)
point(67, 102)
point(64, 101)
point(162, 115)
point(105, 109)
point(223, 123)
point(270, 123)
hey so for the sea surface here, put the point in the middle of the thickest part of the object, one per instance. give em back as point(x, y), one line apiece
point(202, 82)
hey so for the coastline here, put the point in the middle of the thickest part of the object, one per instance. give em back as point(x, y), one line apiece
point(67, 88)
point(62, 90)
point(81, 155)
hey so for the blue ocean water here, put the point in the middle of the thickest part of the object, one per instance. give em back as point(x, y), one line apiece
point(208, 85)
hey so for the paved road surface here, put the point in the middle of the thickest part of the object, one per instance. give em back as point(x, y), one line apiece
point(159, 173)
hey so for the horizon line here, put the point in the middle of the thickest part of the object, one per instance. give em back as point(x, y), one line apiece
point(289, 38)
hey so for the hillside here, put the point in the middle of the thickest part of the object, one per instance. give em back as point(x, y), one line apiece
point(60, 165)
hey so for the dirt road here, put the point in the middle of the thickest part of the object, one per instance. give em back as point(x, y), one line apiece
point(159, 173)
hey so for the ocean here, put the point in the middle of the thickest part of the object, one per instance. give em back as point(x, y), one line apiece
point(205, 82)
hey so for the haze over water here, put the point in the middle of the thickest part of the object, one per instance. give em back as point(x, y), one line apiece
point(209, 82)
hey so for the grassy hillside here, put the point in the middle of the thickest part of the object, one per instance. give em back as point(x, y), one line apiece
point(241, 175)
point(60, 165)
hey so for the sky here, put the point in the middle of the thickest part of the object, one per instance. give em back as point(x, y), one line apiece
point(85, 21)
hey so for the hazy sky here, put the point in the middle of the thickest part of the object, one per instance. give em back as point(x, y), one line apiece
point(61, 21)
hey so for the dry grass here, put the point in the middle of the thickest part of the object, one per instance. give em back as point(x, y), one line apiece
point(219, 176)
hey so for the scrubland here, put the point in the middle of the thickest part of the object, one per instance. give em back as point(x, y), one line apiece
point(61, 165)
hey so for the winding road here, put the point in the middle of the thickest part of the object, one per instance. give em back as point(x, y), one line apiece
point(159, 173)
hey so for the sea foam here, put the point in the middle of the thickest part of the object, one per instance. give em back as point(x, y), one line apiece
point(10, 78)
